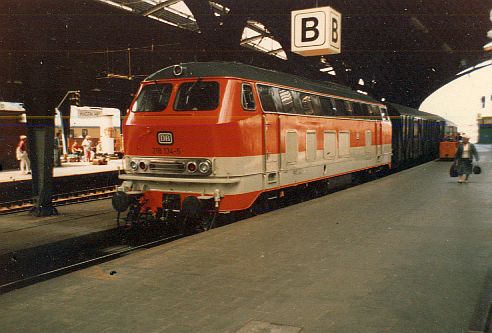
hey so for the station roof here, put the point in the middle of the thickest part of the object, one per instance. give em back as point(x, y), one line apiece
point(400, 50)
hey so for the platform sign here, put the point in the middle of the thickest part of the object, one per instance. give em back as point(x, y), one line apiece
point(316, 31)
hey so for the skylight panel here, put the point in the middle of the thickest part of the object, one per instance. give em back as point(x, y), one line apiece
point(257, 37)
point(181, 9)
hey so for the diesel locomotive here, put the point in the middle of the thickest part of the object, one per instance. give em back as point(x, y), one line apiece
point(203, 139)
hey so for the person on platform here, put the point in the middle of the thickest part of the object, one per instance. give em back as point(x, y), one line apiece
point(58, 149)
point(76, 150)
point(22, 156)
point(464, 157)
point(87, 146)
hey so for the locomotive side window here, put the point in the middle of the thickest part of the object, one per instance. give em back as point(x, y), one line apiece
point(315, 103)
point(365, 110)
point(384, 114)
point(348, 108)
point(358, 110)
point(197, 96)
point(266, 98)
point(247, 98)
point(152, 98)
point(374, 112)
point(287, 101)
point(307, 104)
point(327, 107)
point(340, 105)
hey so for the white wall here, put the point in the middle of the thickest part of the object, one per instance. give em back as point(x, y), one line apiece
point(85, 116)
point(460, 101)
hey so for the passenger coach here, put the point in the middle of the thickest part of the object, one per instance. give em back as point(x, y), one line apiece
point(208, 138)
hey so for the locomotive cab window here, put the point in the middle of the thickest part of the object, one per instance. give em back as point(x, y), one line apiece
point(197, 96)
point(152, 98)
point(247, 97)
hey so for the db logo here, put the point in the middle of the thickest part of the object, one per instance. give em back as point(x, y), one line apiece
point(165, 138)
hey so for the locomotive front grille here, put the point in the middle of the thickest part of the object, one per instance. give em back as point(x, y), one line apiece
point(196, 167)
point(173, 167)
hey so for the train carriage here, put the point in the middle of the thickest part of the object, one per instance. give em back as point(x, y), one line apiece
point(207, 138)
point(416, 135)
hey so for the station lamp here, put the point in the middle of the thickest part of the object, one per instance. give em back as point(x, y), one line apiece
point(75, 98)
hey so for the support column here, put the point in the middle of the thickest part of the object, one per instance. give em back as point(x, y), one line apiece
point(40, 87)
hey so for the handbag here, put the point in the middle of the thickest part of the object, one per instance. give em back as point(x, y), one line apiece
point(453, 171)
point(477, 170)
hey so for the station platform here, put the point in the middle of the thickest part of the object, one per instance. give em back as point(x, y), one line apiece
point(410, 252)
point(67, 169)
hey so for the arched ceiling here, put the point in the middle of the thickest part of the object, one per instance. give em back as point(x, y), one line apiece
point(403, 50)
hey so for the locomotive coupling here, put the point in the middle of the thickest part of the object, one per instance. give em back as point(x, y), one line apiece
point(217, 197)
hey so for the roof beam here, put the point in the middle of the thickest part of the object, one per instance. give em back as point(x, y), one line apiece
point(160, 6)
point(254, 38)
point(274, 52)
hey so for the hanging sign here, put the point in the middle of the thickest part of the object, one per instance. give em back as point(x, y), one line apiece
point(316, 31)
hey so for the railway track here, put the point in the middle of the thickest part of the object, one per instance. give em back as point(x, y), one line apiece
point(26, 204)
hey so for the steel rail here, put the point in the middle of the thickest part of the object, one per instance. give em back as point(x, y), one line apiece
point(61, 199)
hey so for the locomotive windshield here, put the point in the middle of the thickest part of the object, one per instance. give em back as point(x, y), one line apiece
point(152, 98)
point(197, 96)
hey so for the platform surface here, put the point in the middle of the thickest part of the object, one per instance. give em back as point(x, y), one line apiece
point(67, 169)
point(21, 231)
point(410, 252)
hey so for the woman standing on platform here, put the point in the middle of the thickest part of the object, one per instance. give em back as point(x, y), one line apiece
point(22, 157)
point(464, 157)
point(87, 146)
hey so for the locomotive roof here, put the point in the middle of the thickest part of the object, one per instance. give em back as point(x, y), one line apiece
point(239, 70)
point(408, 111)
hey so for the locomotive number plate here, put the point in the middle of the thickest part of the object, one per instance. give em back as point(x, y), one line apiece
point(165, 138)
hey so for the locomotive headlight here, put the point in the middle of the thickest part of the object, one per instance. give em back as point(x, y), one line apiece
point(133, 165)
point(205, 167)
point(142, 165)
point(191, 167)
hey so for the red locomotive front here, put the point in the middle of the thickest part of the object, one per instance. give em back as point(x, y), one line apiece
point(193, 138)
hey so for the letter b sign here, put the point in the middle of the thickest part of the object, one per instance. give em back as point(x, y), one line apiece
point(316, 31)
